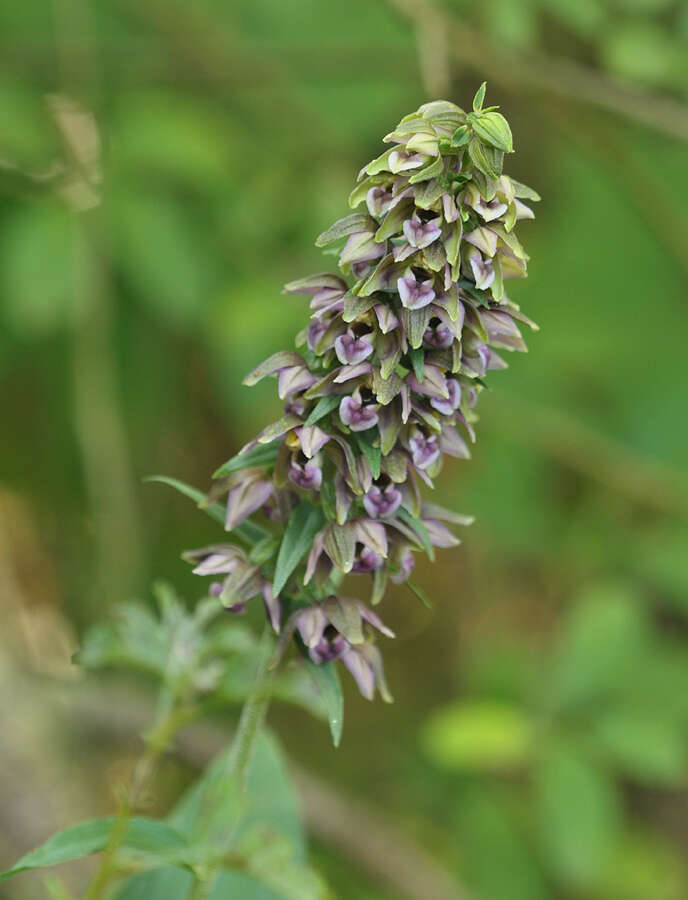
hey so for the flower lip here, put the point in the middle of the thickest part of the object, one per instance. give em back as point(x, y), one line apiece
point(381, 503)
point(351, 350)
point(415, 294)
point(354, 413)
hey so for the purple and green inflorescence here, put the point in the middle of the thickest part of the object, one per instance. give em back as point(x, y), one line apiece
point(384, 385)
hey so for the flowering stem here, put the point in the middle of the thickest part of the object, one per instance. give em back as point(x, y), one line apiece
point(169, 719)
point(240, 752)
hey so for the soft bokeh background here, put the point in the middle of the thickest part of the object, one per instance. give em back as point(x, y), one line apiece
point(538, 748)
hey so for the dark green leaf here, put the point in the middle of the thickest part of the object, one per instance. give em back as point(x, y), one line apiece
point(479, 97)
point(579, 816)
point(351, 224)
point(419, 592)
point(324, 406)
point(417, 357)
point(145, 836)
point(257, 456)
point(418, 528)
point(372, 454)
point(304, 524)
point(248, 532)
point(326, 679)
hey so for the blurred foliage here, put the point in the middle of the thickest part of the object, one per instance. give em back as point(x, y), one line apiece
point(549, 684)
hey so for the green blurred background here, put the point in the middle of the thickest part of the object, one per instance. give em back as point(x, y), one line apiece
point(538, 746)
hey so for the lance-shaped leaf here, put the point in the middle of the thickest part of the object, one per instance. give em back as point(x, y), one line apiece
point(340, 545)
point(479, 98)
point(381, 163)
point(355, 306)
point(433, 511)
point(494, 129)
point(394, 219)
point(143, 837)
point(371, 453)
point(274, 364)
point(435, 168)
point(523, 191)
point(428, 193)
point(388, 348)
point(304, 523)
point(342, 499)
point(326, 678)
point(348, 225)
point(419, 529)
point(311, 284)
point(511, 241)
point(386, 389)
point(381, 278)
point(452, 241)
point(486, 160)
point(415, 322)
point(380, 579)
point(417, 357)
point(257, 456)
point(248, 532)
point(389, 425)
point(278, 428)
point(324, 406)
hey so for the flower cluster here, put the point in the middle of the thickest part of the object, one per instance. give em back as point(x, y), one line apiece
point(385, 382)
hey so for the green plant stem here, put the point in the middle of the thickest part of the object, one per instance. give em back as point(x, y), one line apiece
point(240, 752)
point(169, 721)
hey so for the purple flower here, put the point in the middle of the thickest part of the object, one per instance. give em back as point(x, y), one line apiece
point(293, 379)
point(314, 332)
point(366, 561)
point(245, 498)
point(351, 350)
point(452, 403)
point(327, 629)
point(243, 582)
point(404, 562)
point(379, 201)
point(380, 503)
point(489, 210)
point(420, 234)
point(356, 415)
point(483, 271)
point(415, 294)
point(437, 336)
point(365, 665)
point(424, 450)
point(402, 160)
point(361, 247)
point(312, 439)
point(307, 476)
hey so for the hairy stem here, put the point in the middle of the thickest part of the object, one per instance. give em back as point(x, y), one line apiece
point(170, 719)
point(235, 762)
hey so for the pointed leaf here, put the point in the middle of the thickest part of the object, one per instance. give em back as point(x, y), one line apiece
point(256, 456)
point(304, 524)
point(248, 532)
point(142, 836)
point(326, 678)
point(351, 224)
point(273, 364)
point(324, 406)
